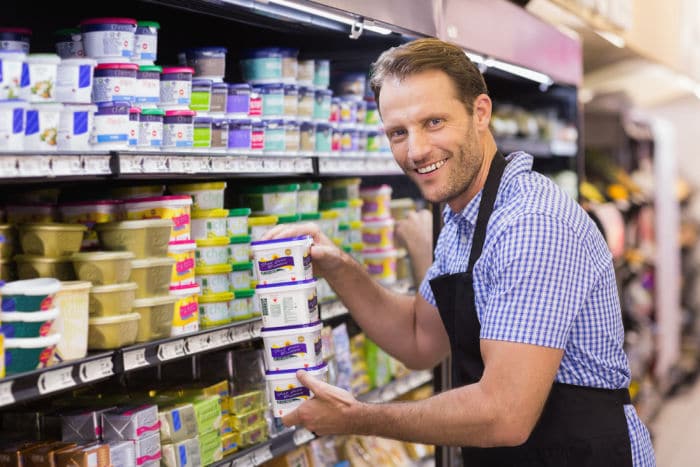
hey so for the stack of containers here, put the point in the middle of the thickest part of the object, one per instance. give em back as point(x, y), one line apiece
point(139, 425)
point(91, 213)
point(28, 312)
point(291, 330)
point(379, 255)
point(47, 248)
point(14, 83)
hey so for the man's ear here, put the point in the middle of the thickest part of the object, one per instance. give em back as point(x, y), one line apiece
point(482, 112)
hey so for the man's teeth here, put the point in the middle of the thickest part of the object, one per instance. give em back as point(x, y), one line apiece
point(431, 167)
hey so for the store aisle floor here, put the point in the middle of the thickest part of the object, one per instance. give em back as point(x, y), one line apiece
point(676, 429)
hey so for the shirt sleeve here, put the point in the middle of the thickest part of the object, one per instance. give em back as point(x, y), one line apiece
point(541, 275)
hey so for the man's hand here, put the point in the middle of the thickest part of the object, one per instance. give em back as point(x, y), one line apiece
point(328, 412)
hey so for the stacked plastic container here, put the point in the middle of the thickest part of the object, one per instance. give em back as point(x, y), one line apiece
point(379, 254)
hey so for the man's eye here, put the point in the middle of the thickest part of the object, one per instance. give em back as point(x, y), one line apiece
point(397, 133)
point(434, 122)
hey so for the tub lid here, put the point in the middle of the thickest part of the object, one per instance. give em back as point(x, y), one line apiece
point(206, 120)
point(243, 293)
point(43, 58)
point(184, 290)
point(247, 266)
point(29, 316)
point(32, 342)
point(214, 241)
point(151, 68)
point(41, 259)
point(150, 199)
point(66, 32)
point(294, 326)
point(239, 212)
point(289, 219)
point(149, 262)
point(155, 301)
point(310, 216)
point(216, 269)
point(343, 226)
point(289, 51)
point(215, 297)
point(209, 213)
point(326, 215)
point(239, 86)
point(334, 204)
point(238, 239)
point(43, 286)
point(17, 30)
point(53, 226)
point(262, 220)
point(117, 66)
point(135, 224)
point(281, 240)
point(284, 284)
point(108, 21)
point(273, 188)
point(355, 203)
point(201, 82)
point(152, 112)
point(205, 50)
point(219, 86)
point(75, 286)
point(135, 110)
point(102, 255)
point(356, 224)
point(292, 371)
point(180, 113)
point(148, 24)
point(100, 202)
point(124, 287)
point(177, 69)
point(266, 52)
point(114, 319)
point(310, 186)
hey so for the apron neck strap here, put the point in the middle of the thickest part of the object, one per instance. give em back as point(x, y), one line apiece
point(488, 199)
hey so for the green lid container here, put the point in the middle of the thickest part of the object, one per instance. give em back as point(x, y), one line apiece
point(152, 112)
point(273, 188)
point(148, 24)
point(151, 68)
point(310, 216)
point(334, 205)
point(240, 239)
point(289, 219)
point(239, 212)
point(243, 293)
point(310, 186)
point(242, 266)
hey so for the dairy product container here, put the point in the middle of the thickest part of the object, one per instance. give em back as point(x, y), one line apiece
point(208, 62)
point(307, 197)
point(41, 127)
point(272, 96)
point(292, 347)
point(112, 300)
point(241, 276)
point(152, 276)
point(322, 73)
point(14, 75)
point(108, 37)
point(133, 134)
point(208, 223)
point(200, 100)
point(113, 332)
point(178, 129)
point(12, 117)
point(175, 208)
point(262, 65)
point(238, 100)
point(258, 225)
point(305, 106)
point(212, 251)
point(213, 279)
point(239, 136)
point(241, 307)
point(378, 233)
point(237, 222)
point(156, 317)
point(145, 42)
point(42, 77)
point(201, 137)
point(273, 199)
point(147, 94)
point(186, 311)
point(282, 260)
point(323, 138)
point(381, 264)
point(69, 43)
point(288, 304)
point(239, 249)
point(291, 137)
point(75, 126)
point(183, 252)
point(305, 72)
point(111, 122)
point(214, 309)
point(150, 133)
point(322, 105)
point(291, 101)
point(114, 82)
point(377, 202)
point(275, 139)
point(15, 39)
point(176, 87)
point(72, 323)
point(74, 80)
point(205, 196)
point(90, 213)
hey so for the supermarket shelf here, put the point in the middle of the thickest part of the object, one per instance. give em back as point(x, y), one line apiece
point(293, 438)
point(68, 164)
point(538, 148)
point(358, 164)
point(332, 310)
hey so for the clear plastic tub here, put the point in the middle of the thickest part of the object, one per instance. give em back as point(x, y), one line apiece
point(156, 317)
point(113, 332)
point(183, 252)
point(282, 260)
point(206, 195)
point(292, 346)
point(209, 223)
point(112, 300)
point(288, 304)
point(152, 275)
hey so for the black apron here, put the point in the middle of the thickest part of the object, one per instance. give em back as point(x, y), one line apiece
point(579, 426)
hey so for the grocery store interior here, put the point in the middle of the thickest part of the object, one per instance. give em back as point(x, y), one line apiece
point(147, 146)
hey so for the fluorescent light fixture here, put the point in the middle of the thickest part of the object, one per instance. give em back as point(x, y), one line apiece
point(523, 72)
point(613, 38)
point(476, 58)
point(351, 21)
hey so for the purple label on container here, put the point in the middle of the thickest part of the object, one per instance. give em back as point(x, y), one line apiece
point(32, 125)
point(312, 303)
point(375, 269)
point(318, 347)
point(237, 103)
point(84, 76)
point(289, 395)
point(371, 238)
point(80, 123)
point(370, 207)
point(17, 119)
point(272, 266)
point(288, 351)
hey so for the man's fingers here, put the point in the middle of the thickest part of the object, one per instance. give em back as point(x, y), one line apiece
point(292, 418)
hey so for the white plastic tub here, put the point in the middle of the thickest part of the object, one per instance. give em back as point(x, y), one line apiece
point(239, 249)
point(175, 208)
point(241, 276)
point(287, 392)
point(12, 112)
point(182, 251)
point(108, 37)
point(111, 126)
point(41, 127)
point(292, 346)
point(273, 199)
point(210, 223)
point(282, 260)
point(74, 80)
point(378, 233)
point(75, 126)
point(204, 195)
point(13, 78)
point(42, 77)
point(288, 304)
point(237, 222)
point(259, 225)
point(241, 306)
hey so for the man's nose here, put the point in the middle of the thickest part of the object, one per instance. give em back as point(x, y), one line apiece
point(418, 146)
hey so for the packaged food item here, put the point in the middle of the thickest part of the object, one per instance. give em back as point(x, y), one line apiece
point(208, 62)
point(152, 275)
point(145, 42)
point(377, 202)
point(287, 393)
point(288, 304)
point(108, 37)
point(175, 208)
point(183, 252)
point(113, 332)
point(186, 312)
point(205, 196)
point(381, 264)
point(103, 267)
point(112, 300)
point(282, 260)
point(157, 315)
point(292, 347)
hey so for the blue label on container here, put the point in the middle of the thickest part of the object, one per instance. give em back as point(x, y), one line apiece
point(32, 125)
point(183, 144)
point(239, 139)
point(80, 122)
point(17, 119)
point(183, 454)
point(177, 423)
point(148, 56)
point(183, 100)
point(112, 138)
point(156, 143)
point(8, 304)
point(84, 76)
point(288, 351)
point(290, 395)
point(8, 330)
point(1, 67)
point(237, 103)
point(24, 80)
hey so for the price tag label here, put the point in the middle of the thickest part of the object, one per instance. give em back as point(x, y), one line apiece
point(96, 165)
point(245, 461)
point(302, 436)
point(198, 343)
point(65, 165)
point(201, 164)
point(304, 165)
point(155, 164)
point(96, 369)
point(239, 334)
point(221, 164)
point(178, 164)
point(55, 380)
point(261, 455)
point(255, 328)
point(33, 166)
point(171, 350)
point(286, 165)
point(135, 359)
point(220, 338)
point(6, 396)
point(8, 166)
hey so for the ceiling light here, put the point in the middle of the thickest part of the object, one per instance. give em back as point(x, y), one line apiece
point(523, 72)
point(476, 58)
point(349, 20)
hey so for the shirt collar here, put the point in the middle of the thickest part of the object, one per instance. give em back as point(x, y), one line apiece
point(518, 162)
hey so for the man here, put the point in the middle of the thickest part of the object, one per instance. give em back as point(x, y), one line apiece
point(522, 293)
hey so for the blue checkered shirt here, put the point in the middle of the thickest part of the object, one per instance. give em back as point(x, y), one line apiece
point(545, 277)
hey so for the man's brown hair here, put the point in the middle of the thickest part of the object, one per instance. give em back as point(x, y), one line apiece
point(430, 54)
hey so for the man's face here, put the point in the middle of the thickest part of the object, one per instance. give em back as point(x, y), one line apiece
point(432, 136)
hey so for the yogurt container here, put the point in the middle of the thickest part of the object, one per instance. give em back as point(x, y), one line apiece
point(257, 136)
point(28, 354)
point(74, 127)
point(262, 65)
point(305, 72)
point(282, 260)
point(176, 87)
point(239, 249)
point(288, 304)
point(152, 276)
point(377, 202)
point(201, 137)
point(322, 105)
point(219, 97)
point(238, 100)
point(328, 223)
point(90, 213)
point(206, 195)
point(378, 233)
point(212, 252)
point(147, 94)
point(348, 112)
point(241, 307)
point(349, 141)
point(239, 136)
point(292, 347)
point(374, 143)
point(12, 116)
point(113, 332)
point(381, 264)
point(178, 129)
point(372, 119)
point(214, 310)
point(323, 138)
point(133, 134)
point(275, 139)
point(186, 312)
point(213, 279)
point(42, 77)
point(69, 43)
point(307, 197)
point(27, 324)
point(241, 276)
point(74, 80)
point(29, 295)
point(291, 101)
point(272, 96)
point(255, 105)
point(200, 100)
point(176, 208)
point(287, 392)
point(273, 199)
point(156, 317)
point(258, 225)
point(150, 133)
point(183, 252)
point(291, 137)
point(305, 106)
point(114, 82)
point(208, 223)
point(322, 73)
point(219, 134)
point(307, 137)
point(208, 62)
point(237, 222)
point(14, 75)
point(145, 42)
point(289, 64)
point(111, 122)
point(108, 37)
point(15, 39)
point(41, 127)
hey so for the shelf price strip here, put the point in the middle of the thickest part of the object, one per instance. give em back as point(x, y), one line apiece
point(6, 396)
point(96, 369)
point(55, 380)
point(135, 359)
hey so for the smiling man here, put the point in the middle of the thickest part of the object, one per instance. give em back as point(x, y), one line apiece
point(521, 293)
